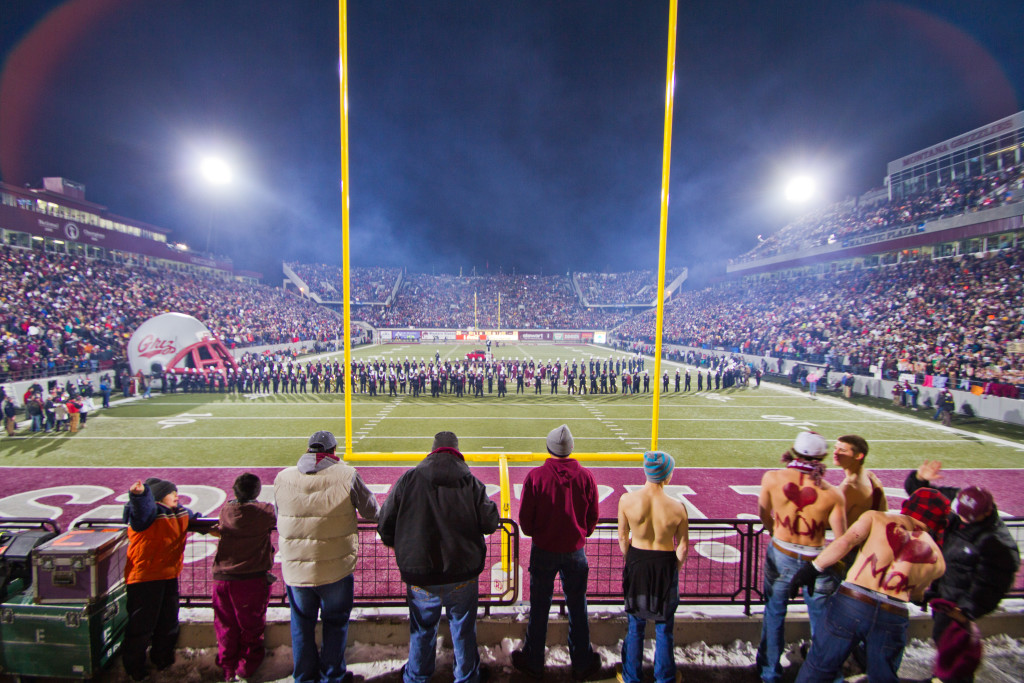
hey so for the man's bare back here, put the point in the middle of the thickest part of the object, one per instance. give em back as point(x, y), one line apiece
point(796, 510)
point(898, 557)
point(649, 519)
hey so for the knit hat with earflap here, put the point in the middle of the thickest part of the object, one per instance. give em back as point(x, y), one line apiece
point(929, 507)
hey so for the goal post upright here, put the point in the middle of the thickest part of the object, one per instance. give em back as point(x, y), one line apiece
point(666, 165)
point(346, 271)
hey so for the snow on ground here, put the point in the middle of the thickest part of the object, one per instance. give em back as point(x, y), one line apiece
point(699, 662)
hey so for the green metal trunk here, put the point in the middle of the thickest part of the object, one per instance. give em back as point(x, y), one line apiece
point(66, 640)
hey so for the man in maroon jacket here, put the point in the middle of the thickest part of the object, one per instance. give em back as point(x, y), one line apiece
point(559, 509)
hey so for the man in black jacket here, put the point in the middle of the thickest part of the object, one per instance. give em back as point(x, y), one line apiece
point(981, 556)
point(435, 518)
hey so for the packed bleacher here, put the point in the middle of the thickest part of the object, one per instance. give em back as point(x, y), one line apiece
point(368, 285)
point(951, 317)
point(63, 313)
point(526, 301)
point(633, 288)
point(850, 219)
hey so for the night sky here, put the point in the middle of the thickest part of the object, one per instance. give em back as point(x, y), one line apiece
point(502, 134)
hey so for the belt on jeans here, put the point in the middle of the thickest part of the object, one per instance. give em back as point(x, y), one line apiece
point(790, 553)
point(868, 600)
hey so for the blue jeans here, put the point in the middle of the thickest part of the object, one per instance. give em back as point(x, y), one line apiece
point(664, 644)
point(460, 603)
point(37, 423)
point(573, 570)
point(847, 622)
point(333, 602)
point(778, 572)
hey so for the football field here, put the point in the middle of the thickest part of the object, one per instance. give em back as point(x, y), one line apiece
point(722, 441)
point(735, 427)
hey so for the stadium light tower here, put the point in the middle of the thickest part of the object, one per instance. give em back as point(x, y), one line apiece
point(217, 173)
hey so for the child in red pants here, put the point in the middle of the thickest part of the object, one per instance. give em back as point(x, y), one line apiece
point(241, 579)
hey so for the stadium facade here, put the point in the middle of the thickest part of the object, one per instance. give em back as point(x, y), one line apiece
point(57, 218)
point(996, 146)
point(990, 149)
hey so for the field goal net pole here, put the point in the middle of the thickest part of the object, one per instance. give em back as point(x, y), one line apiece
point(346, 272)
point(666, 165)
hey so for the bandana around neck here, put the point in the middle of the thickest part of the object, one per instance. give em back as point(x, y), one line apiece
point(809, 467)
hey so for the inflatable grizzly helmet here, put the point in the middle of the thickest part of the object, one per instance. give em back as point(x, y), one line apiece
point(178, 343)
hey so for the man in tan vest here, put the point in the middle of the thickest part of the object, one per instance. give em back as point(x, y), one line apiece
point(316, 502)
point(796, 506)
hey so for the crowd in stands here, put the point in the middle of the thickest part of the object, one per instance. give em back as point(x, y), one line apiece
point(633, 288)
point(841, 221)
point(953, 317)
point(368, 285)
point(61, 313)
point(526, 301)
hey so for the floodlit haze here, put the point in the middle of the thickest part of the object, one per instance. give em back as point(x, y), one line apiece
point(505, 134)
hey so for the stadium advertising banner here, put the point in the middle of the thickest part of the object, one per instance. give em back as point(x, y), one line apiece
point(601, 337)
point(437, 335)
point(499, 335)
point(406, 335)
point(384, 335)
point(536, 336)
point(573, 336)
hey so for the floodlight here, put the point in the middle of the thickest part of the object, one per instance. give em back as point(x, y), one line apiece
point(215, 170)
point(800, 189)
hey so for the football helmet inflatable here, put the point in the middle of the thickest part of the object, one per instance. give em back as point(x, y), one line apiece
point(178, 343)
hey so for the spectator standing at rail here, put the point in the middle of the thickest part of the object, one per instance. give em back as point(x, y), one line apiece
point(10, 415)
point(157, 527)
point(653, 531)
point(944, 407)
point(317, 501)
point(899, 557)
point(796, 505)
point(242, 578)
point(861, 488)
point(981, 562)
point(559, 510)
point(435, 518)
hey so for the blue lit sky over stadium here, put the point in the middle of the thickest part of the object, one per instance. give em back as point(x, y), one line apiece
point(507, 134)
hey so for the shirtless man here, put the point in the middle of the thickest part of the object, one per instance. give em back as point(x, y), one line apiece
point(860, 487)
point(863, 491)
point(654, 537)
point(796, 505)
point(899, 558)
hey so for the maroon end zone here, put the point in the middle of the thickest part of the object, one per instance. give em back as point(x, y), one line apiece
point(65, 494)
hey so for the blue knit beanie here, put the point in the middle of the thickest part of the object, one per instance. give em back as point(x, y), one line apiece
point(658, 466)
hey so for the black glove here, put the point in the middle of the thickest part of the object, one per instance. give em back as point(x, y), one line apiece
point(805, 576)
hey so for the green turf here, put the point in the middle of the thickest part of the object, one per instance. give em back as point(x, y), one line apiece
point(729, 428)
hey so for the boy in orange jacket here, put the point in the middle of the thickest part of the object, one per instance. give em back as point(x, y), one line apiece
point(157, 527)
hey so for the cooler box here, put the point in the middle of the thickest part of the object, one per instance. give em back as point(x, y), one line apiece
point(16, 544)
point(70, 641)
point(80, 565)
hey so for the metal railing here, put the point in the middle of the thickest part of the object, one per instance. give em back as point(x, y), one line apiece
point(378, 582)
point(723, 567)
